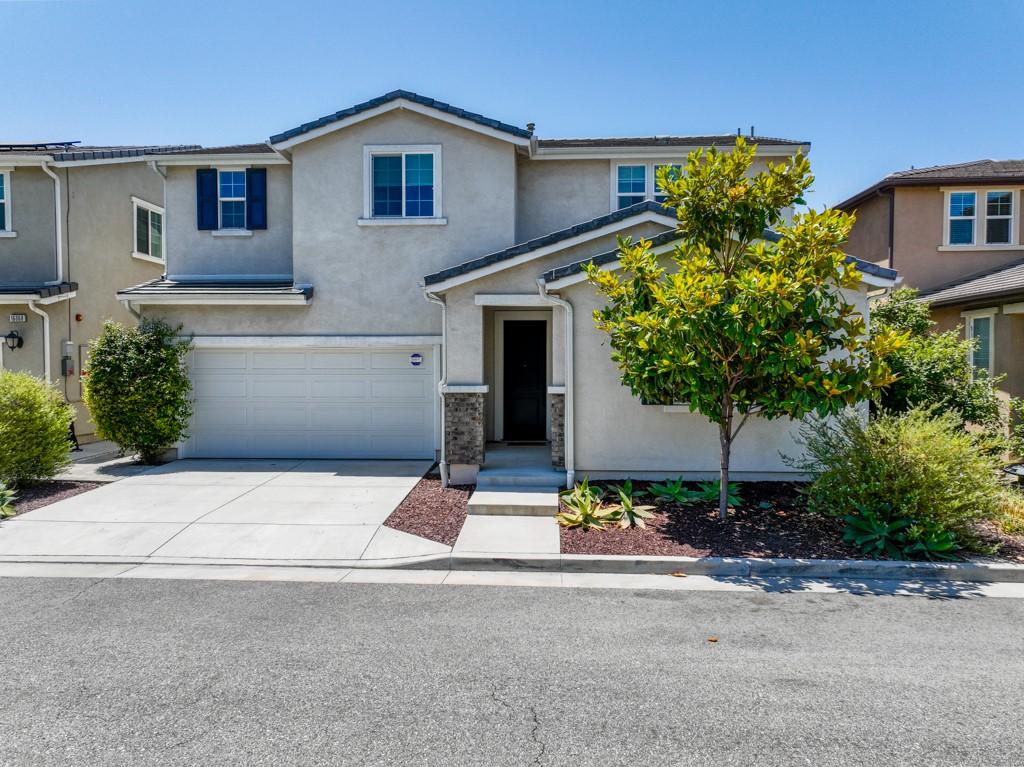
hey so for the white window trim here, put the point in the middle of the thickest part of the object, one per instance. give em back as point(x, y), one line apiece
point(650, 182)
point(8, 222)
point(947, 219)
point(1012, 217)
point(371, 150)
point(237, 231)
point(138, 202)
point(972, 315)
point(981, 220)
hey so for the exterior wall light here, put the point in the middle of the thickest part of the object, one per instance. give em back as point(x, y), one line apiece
point(14, 340)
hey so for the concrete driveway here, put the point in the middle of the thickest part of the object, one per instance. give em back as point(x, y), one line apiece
point(267, 511)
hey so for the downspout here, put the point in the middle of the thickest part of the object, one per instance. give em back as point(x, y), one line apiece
point(127, 304)
point(56, 215)
point(442, 384)
point(46, 338)
point(157, 169)
point(570, 452)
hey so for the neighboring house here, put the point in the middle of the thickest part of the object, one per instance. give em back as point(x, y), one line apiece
point(75, 223)
point(955, 233)
point(339, 276)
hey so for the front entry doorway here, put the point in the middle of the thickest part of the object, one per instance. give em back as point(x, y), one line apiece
point(524, 380)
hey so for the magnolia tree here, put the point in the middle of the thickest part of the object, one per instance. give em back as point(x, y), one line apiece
point(736, 321)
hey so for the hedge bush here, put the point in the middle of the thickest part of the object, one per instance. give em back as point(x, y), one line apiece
point(34, 424)
point(137, 387)
point(917, 475)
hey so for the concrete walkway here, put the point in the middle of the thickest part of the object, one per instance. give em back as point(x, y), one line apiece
point(230, 511)
point(101, 462)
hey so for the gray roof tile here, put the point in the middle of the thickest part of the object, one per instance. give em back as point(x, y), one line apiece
point(38, 288)
point(161, 286)
point(1004, 280)
point(725, 139)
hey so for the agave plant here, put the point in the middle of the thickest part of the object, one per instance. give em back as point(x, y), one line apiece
point(709, 492)
point(586, 508)
point(673, 490)
point(629, 514)
point(7, 497)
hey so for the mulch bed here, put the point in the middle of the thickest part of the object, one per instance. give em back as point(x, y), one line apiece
point(772, 521)
point(431, 511)
point(45, 493)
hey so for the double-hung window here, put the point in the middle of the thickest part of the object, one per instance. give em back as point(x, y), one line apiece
point(149, 231)
point(999, 217)
point(980, 329)
point(631, 185)
point(402, 185)
point(5, 201)
point(231, 198)
point(962, 215)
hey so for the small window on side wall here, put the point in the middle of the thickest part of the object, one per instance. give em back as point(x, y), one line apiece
point(231, 199)
point(149, 231)
point(5, 201)
point(403, 185)
point(631, 185)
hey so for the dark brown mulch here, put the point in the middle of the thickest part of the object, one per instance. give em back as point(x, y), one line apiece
point(431, 511)
point(783, 528)
point(45, 493)
point(1009, 547)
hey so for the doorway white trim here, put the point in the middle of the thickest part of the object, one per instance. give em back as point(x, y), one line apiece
point(500, 318)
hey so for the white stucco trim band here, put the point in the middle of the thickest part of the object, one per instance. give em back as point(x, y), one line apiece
point(242, 299)
point(338, 342)
point(510, 299)
point(465, 389)
point(24, 298)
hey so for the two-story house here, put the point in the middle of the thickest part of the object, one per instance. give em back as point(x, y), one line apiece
point(954, 232)
point(402, 279)
point(75, 223)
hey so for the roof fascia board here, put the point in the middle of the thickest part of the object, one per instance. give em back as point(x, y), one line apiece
point(262, 158)
point(21, 298)
point(639, 153)
point(104, 161)
point(240, 299)
point(484, 271)
point(390, 106)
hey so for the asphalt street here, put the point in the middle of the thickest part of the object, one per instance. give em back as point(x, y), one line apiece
point(160, 672)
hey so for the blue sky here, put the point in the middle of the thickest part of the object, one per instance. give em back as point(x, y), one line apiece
point(875, 86)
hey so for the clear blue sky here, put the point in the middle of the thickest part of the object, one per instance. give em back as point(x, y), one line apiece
point(875, 86)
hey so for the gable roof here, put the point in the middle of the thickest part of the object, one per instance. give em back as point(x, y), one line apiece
point(1000, 281)
point(395, 100)
point(652, 209)
point(973, 172)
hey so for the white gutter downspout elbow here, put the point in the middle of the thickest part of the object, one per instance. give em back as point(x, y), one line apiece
point(157, 169)
point(570, 448)
point(57, 217)
point(443, 383)
point(46, 338)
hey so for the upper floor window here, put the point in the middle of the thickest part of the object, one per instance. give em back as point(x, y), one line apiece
point(231, 200)
point(402, 184)
point(962, 214)
point(149, 231)
point(998, 217)
point(5, 201)
point(674, 172)
point(631, 185)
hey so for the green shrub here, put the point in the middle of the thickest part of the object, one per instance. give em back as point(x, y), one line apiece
point(586, 508)
point(137, 388)
point(7, 497)
point(34, 422)
point(903, 482)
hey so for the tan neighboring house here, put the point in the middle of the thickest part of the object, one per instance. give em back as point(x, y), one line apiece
point(75, 223)
point(401, 279)
point(955, 233)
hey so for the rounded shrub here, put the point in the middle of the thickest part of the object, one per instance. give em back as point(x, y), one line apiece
point(137, 387)
point(906, 484)
point(34, 426)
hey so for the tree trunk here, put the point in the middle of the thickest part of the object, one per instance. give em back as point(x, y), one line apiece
point(723, 478)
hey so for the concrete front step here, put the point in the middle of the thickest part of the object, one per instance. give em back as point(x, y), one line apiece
point(524, 501)
point(519, 478)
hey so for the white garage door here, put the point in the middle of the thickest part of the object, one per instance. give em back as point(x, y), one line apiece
point(313, 403)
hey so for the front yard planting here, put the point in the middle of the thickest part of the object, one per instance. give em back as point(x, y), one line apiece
point(44, 493)
point(431, 511)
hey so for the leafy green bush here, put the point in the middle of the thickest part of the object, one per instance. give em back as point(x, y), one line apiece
point(137, 388)
point(910, 482)
point(34, 422)
point(7, 497)
point(932, 369)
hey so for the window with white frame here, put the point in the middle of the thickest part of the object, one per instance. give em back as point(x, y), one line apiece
point(403, 183)
point(980, 329)
point(5, 201)
point(631, 185)
point(149, 230)
point(674, 172)
point(231, 198)
point(961, 219)
point(999, 217)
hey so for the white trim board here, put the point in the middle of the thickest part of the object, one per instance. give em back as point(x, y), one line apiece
point(511, 299)
point(546, 250)
point(391, 106)
point(500, 318)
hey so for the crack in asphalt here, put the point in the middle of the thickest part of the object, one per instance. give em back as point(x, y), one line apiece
point(77, 594)
point(534, 730)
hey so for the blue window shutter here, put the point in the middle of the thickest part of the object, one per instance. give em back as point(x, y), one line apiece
point(256, 198)
point(206, 198)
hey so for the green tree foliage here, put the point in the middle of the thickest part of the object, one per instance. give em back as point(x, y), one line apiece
point(137, 388)
point(742, 323)
point(931, 369)
point(34, 421)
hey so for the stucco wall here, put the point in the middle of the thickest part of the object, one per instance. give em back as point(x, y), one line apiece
point(31, 255)
point(554, 194)
point(920, 219)
point(869, 238)
point(1008, 333)
point(195, 252)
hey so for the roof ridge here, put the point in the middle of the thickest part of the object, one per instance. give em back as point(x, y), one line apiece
point(929, 168)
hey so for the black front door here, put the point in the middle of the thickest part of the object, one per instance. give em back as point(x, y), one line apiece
point(525, 379)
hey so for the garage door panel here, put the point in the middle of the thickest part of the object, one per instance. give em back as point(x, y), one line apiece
point(313, 403)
